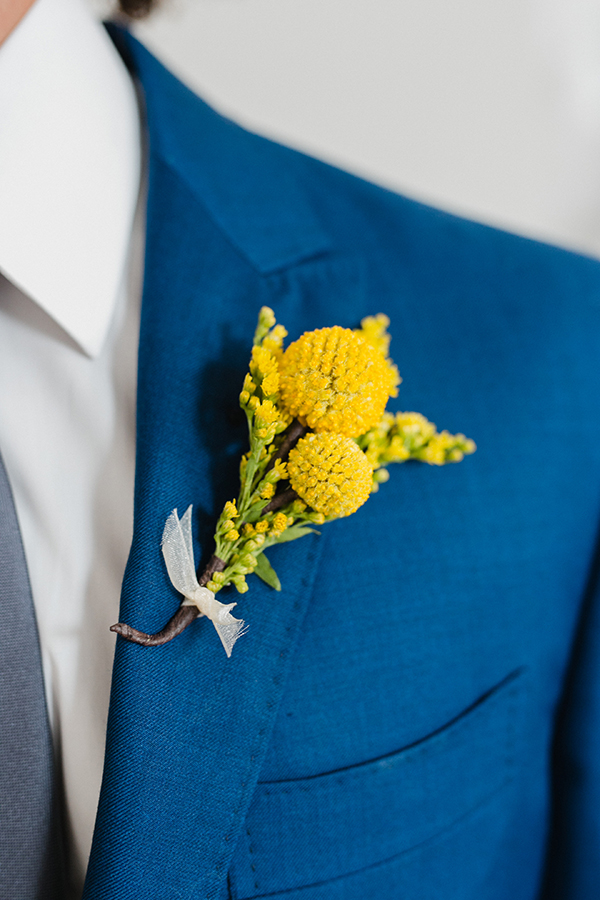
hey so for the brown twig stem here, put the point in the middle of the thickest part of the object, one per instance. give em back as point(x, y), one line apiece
point(292, 435)
point(184, 616)
point(287, 496)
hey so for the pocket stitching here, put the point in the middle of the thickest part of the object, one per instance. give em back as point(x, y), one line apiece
point(507, 692)
point(511, 683)
point(447, 829)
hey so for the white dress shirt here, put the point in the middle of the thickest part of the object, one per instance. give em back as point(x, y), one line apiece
point(70, 284)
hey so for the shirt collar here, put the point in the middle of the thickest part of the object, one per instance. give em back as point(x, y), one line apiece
point(69, 166)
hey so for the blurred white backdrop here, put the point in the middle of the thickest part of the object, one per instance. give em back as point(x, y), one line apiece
point(489, 108)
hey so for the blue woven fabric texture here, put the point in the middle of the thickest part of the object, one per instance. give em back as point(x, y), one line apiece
point(386, 727)
point(30, 842)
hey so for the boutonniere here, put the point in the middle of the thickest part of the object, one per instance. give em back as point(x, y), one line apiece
point(320, 444)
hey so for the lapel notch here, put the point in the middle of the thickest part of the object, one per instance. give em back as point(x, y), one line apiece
point(252, 187)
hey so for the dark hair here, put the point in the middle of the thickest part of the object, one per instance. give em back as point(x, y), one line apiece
point(137, 9)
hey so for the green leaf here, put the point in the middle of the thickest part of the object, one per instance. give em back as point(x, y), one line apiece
point(295, 531)
point(265, 570)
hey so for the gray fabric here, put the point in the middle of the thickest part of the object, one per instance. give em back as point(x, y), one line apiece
point(30, 857)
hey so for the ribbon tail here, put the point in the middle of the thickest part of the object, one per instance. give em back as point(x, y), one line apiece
point(228, 628)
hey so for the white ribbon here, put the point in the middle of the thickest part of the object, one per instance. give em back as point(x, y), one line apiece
point(179, 557)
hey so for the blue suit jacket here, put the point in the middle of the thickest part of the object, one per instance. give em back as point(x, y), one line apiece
point(386, 727)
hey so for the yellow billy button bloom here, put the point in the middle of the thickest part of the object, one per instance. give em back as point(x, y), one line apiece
point(330, 473)
point(333, 379)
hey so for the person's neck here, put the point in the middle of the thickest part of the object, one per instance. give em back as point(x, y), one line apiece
point(11, 13)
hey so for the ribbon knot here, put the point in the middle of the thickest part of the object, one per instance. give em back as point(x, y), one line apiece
point(178, 553)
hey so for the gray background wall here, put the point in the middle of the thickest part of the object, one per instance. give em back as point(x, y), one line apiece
point(490, 108)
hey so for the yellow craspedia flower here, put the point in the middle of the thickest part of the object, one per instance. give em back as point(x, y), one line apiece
point(332, 379)
point(330, 473)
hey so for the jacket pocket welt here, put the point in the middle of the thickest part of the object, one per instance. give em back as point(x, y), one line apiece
point(310, 830)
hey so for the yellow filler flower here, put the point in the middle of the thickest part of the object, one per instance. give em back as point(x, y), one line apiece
point(330, 473)
point(333, 379)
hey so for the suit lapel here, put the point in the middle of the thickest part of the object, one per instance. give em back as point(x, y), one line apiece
point(187, 727)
